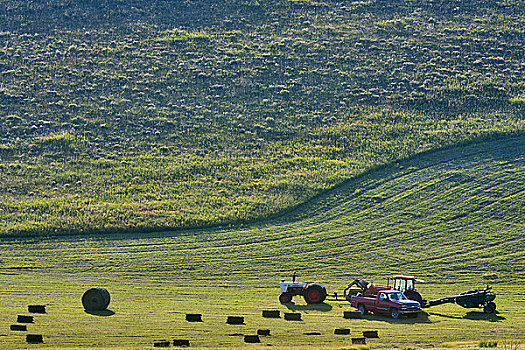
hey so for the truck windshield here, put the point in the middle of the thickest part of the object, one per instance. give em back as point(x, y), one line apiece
point(396, 296)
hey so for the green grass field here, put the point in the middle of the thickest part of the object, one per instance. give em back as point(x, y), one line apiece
point(452, 217)
point(187, 155)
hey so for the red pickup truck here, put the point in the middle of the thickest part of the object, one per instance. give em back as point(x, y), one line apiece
point(391, 302)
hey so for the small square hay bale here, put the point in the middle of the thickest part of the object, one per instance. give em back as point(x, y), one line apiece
point(252, 338)
point(342, 331)
point(181, 342)
point(271, 313)
point(162, 344)
point(370, 334)
point(235, 320)
point(37, 309)
point(264, 332)
point(24, 319)
point(34, 338)
point(359, 341)
point(194, 317)
point(18, 327)
point(292, 316)
point(351, 314)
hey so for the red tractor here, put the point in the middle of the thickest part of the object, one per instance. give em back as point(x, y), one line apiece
point(313, 293)
point(407, 285)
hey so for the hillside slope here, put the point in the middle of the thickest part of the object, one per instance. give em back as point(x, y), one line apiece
point(456, 213)
point(134, 115)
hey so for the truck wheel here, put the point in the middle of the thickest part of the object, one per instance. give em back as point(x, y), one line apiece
point(394, 313)
point(285, 298)
point(362, 309)
point(315, 293)
point(490, 307)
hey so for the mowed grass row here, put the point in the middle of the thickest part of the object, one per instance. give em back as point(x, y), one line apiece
point(452, 217)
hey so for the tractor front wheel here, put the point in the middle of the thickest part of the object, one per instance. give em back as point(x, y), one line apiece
point(314, 294)
point(285, 298)
point(490, 307)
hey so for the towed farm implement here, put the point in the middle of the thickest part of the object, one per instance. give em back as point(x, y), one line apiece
point(477, 298)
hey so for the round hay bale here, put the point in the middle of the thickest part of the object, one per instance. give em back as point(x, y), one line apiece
point(359, 341)
point(96, 299)
point(235, 320)
point(18, 327)
point(370, 334)
point(252, 338)
point(194, 317)
point(271, 313)
point(162, 344)
point(24, 319)
point(37, 309)
point(292, 316)
point(34, 338)
point(351, 314)
point(342, 331)
point(181, 342)
point(264, 332)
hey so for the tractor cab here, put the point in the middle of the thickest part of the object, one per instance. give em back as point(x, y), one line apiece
point(403, 283)
point(407, 285)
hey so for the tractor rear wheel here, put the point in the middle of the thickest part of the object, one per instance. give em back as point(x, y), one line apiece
point(285, 298)
point(490, 307)
point(413, 295)
point(314, 294)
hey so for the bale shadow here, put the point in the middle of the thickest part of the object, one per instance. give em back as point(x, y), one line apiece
point(483, 316)
point(103, 313)
point(324, 307)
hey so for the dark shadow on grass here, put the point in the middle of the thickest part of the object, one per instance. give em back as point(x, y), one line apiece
point(446, 316)
point(324, 307)
point(483, 316)
point(474, 315)
point(422, 317)
point(104, 313)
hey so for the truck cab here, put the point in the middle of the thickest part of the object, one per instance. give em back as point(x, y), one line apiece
point(392, 302)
